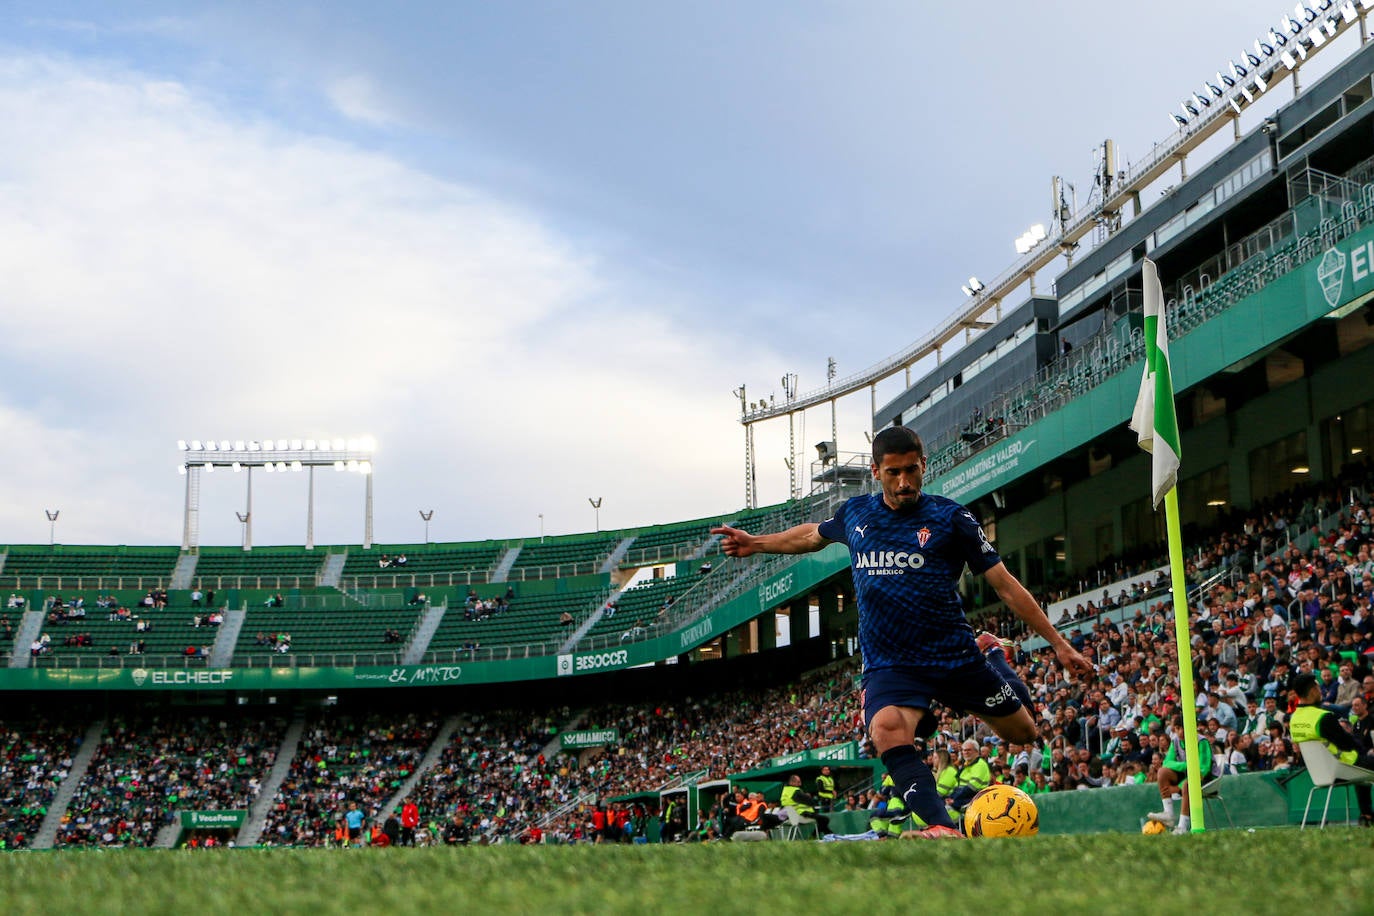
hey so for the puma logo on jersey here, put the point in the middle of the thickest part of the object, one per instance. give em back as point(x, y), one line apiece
point(861, 529)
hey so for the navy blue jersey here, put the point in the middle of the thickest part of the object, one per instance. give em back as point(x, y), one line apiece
point(906, 564)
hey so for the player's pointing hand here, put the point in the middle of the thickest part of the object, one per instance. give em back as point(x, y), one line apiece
point(734, 542)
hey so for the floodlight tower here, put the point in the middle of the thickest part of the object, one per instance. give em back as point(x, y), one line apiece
point(272, 455)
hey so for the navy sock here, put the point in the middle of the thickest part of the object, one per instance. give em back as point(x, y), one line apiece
point(916, 784)
point(998, 660)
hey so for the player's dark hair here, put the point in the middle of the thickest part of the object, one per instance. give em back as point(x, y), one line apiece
point(896, 440)
point(1303, 684)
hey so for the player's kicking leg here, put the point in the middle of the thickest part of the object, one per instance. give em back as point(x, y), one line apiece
point(1009, 723)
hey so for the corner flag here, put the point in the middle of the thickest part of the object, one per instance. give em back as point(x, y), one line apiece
point(1154, 420)
point(1156, 425)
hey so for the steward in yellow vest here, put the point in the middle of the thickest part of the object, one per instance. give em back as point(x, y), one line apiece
point(1309, 722)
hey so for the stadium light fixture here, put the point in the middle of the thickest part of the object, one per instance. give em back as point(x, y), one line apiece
point(1214, 88)
point(195, 445)
point(52, 515)
point(1277, 39)
point(1288, 60)
point(1189, 109)
point(1234, 105)
point(1325, 5)
point(1318, 39)
point(1301, 51)
point(1264, 49)
point(1227, 81)
point(181, 445)
point(1260, 84)
point(1179, 120)
point(1367, 4)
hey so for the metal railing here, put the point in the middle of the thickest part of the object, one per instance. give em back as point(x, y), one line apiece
point(1266, 257)
point(147, 660)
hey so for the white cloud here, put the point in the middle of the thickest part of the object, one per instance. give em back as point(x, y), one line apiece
point(171, 270)
point(357, 97)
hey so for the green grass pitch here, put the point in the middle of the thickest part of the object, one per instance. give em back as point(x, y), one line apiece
point(1270, 871)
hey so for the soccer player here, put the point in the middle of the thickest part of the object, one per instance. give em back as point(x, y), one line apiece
point(907, 550)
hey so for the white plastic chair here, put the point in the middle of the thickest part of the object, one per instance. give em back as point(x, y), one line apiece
point(1328, 772)
point(792, 828)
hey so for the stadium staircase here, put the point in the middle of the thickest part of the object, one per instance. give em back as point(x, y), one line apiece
point(415, 650)
point(30, 626)
point(332, 574)
point(592, 620)
point(251, 831)
point(617, 555)
point(222, 653)
point(57, 809)
point(184, 573)
point(556, 745)
point(502, 571)
point(167, 835)
point(432, 756)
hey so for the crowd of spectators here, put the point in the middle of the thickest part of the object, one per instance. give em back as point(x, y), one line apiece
point(149, 766)
point(345, 759)
point(1279, 608)
point(35, 757)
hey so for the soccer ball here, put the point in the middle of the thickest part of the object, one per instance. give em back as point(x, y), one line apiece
point(1001, 811)
point(1153, 828)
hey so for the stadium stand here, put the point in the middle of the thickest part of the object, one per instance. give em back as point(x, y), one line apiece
point(149, 766)
point(341, 760)
point(425, 564)
point(263, 567)
point(560, 558)
point(668, 543)
point(105, 637)
point(488, 627)
point(286, 636)
point(82, 568)
point(35, 757)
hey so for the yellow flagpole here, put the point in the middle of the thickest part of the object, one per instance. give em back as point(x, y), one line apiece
point(1182, 636)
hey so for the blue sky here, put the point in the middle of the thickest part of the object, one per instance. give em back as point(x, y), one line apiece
point(531, 247)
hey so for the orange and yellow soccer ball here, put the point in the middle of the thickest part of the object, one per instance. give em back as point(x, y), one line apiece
point(1001, 811)
point(1153, 828)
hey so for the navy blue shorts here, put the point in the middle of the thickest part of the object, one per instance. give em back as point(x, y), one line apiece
point(975, 688)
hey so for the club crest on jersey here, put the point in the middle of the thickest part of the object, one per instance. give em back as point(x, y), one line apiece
point(923, 536)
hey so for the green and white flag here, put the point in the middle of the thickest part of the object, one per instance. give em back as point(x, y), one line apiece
point(1154, 420)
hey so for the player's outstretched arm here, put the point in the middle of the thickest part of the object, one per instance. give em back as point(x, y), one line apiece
point(800, 539)
point(1024, 606)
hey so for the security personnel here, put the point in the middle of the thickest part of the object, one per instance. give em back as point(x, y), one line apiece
point(825, 790)
point(891, 818)
point(804, 802)
point(1310, 722)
